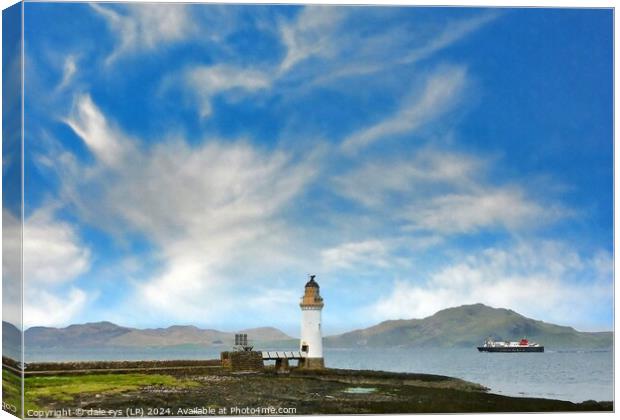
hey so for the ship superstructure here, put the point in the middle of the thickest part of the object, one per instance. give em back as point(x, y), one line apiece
point(522, 346)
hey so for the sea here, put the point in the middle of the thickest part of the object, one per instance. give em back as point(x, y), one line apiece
point(563, 374)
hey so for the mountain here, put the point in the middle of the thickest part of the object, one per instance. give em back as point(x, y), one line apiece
point(11, 334)
point(267, 334)
point(11, 341)
point(463, 326)
point(108, 334)
point(92, 334)
point(468, 326)
point(172, 336)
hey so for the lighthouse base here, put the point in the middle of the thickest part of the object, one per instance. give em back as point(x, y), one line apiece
point(312, 363)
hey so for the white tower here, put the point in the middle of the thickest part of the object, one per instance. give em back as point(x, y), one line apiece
point(311, 342)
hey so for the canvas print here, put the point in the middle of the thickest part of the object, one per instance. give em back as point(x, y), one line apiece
point(227, 209)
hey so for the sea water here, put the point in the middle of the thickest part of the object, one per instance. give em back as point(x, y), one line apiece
point(572, 375)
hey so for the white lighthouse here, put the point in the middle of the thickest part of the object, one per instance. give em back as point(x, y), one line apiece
point(311, 343)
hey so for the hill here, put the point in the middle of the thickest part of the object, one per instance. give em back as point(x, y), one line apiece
point(463, 326)
point(468, 326)
point(11, 341)
point(81, 335)
point(267, 334)
point(108, 334)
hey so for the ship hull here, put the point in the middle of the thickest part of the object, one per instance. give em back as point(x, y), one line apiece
point(539, 349)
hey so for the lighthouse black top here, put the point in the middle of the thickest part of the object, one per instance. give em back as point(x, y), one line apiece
point(312, 283)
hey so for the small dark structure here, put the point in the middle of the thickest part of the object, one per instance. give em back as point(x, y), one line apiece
point(242, 361)
point(242, 358)
point(241, 343)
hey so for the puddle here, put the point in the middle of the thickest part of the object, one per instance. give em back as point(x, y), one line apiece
point(359, 390)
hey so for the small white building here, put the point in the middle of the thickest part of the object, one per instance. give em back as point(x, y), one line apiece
point(311, 343)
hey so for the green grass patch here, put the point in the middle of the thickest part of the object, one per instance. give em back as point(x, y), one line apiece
point(11, 389)
point(65, 388)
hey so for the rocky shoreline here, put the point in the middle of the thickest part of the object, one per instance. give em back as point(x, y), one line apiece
point(211, 390)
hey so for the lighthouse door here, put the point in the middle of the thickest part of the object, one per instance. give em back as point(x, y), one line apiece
point(304, 348)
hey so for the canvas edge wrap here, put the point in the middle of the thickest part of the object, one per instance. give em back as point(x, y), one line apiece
point(12, 210)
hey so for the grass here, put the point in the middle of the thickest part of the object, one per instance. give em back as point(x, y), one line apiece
point(11, 389)
point(66, 388)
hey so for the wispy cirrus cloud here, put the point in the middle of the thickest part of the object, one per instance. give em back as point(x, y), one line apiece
point(442, 192)
point(189, 223)
point(207, 209)
point(338, 46)
point(331, 46)
point(439, 94)
point(376, 182)
point(361, 55)
point(105, 141)
point(207, 82)
point(312, 33)
point(452, 32)
point(69, 71)
point(507, 207)
point(145, 27)
point(355, 255)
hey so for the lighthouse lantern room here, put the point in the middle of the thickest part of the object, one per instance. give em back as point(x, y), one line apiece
point(311, 343)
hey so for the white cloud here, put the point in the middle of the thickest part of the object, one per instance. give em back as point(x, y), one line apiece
point(427, 172)
point(107, 143)
point(347, 50)
point(216, 209)
point(209, 210)
point(207, 82)
point(452, 33)
point(440, 93)
point(444, 193)
point(331, 36)
point(541, 279)
point(311, 34)
point(53, 256)
point(52, 250)
point(375, 256)
point(53, 253)
point(213, 188)
point(68, 72)
point(42, 308)
point(11, 267)
point(11, 240)
point(374, 253)
point(145, 27)
point(506, 207)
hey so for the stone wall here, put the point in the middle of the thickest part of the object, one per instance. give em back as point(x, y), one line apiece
point(119, 365)
point(225, 359)
point(242, 360)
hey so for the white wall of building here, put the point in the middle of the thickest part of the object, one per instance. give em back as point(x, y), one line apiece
point(311, 332)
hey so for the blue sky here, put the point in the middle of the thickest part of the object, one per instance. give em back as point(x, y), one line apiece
point(192, 164)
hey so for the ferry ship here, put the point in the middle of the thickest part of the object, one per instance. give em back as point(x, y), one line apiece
point(523, 346)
